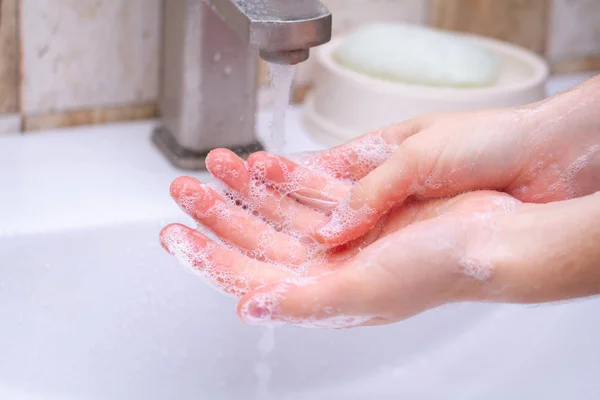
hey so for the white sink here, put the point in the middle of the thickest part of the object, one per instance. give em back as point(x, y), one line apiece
point(92, 308)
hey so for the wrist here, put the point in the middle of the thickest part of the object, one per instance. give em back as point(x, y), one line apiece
point(545, 253)
point(576, 106)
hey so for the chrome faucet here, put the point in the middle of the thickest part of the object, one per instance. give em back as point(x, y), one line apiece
point(209, 69)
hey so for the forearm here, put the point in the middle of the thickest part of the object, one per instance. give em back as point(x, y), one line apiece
point(573, 112)
point(546, 253)
point(582, 97)
point(562, 142)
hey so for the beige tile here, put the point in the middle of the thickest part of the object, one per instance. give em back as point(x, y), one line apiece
point(9, 57)
point(522, 22)
point(583, 64)
point(89, 117)
point(574, 30)
point(10, 124)
point(89, 53)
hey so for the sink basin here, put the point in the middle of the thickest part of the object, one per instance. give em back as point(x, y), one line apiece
point(92, 308)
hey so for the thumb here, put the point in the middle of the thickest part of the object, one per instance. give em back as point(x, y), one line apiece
point(356, 158)
point(339, 299)
point(375, 194)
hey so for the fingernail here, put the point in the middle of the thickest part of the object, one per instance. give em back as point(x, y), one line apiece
point(314, 199)
point(331, 231)
point(173, 239)
point(354, 201)
point(263, 307)
point(256, 312)
point(335, 225)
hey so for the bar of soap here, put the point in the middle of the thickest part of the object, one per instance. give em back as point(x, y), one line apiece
point(418, 55)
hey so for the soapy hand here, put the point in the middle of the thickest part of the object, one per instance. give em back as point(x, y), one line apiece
point(477, 246)
point(418, 257)
point(538, 153)
point(359, 234)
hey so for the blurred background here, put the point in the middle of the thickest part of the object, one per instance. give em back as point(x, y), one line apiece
point(79, 62)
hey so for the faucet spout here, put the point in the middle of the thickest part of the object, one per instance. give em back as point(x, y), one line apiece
point(282, 30)
point(209, 69)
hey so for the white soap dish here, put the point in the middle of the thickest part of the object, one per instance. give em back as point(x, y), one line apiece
point(345, 104)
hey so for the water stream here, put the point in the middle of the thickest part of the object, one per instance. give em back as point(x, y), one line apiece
point(281, 86)
point(262, 369)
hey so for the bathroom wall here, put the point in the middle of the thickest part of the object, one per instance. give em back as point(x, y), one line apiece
point(574, 43)
point(73, 62)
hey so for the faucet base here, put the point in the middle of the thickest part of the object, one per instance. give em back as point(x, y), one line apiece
point(187, 159)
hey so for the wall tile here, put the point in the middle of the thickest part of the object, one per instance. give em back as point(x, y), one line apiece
point(95, 116)
point(9, 57)
point(89, 53)
point(10, 123)
point(574, 30)
point(584, 64)
point(522, 22)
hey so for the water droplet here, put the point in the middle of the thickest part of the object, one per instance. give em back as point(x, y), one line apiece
point(217, 57)
point(228, 70)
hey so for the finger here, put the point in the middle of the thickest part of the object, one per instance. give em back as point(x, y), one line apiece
point(415, 169)
point(235, 226)
point(228, 271)
point(355, 159)
point(279, 209)
point(230, 169)
point(307, 186)
point(385, 187)
point(339, 299)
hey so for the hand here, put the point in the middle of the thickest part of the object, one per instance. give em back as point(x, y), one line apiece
point(538, 153)
point(420, 256)
point(478, 246)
